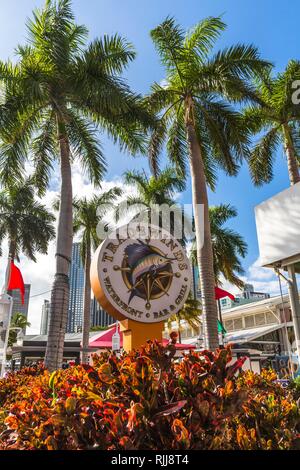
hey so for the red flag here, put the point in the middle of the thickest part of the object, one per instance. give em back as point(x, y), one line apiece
point(220, 293)
point(16, 280)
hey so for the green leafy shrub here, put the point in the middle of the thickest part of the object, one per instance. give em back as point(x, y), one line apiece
point(147, 400)
point(294, 386)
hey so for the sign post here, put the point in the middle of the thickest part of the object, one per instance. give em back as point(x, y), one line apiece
point(140, 281)
point(6, 304)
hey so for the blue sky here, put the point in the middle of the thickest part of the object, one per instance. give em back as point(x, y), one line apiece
point(272, 25)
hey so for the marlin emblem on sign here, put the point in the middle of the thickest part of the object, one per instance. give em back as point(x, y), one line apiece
point(146, 271)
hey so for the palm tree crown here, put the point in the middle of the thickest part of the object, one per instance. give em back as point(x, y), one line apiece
point(26, 223)
point(156, 190)
point(277, 119)
point(154, 195)
point(18, 321)
point(61, 86)
point(197, 87)
point(88, 213)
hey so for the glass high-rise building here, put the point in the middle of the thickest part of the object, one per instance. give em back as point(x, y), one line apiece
point(76, 276)
point(75, 313)
point(18, 307)
point(99, 317)
point(45, 320)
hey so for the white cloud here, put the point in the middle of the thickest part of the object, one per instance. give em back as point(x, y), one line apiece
point(257, 272)
point(262, 279)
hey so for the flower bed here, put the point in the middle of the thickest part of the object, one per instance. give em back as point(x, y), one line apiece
point(147, 400)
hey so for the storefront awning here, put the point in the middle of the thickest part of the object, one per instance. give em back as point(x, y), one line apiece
point(246, 336)
point(104, 340)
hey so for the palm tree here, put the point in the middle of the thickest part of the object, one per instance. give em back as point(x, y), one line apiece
point(277, 120)
point(189, 314)
point(18, 322)
point(25, 222)
point(228, 246)
point(158, 190)
point(200, 126)
point(57, 96)
point(153, 195)
point(87, 214)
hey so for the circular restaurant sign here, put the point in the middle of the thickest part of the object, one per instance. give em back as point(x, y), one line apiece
point(142, 279)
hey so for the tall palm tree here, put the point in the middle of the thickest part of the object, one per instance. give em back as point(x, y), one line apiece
point(25, 222)
point(277, 120)
point(155, 193)
point(87, 214)
point(228, 246)
point(199, 124)
point(57, 96)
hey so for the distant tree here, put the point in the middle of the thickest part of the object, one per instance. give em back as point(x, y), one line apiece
point(153, 192)
point(26, 223)
point(87, 214)
point(98, 328)
point(188, 315)
point(18, 321)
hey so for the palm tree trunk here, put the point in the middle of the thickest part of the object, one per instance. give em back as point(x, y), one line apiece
point(86, 307)
point(293, 167)
point(204, 243)
point(12, 250)
point(60, 289)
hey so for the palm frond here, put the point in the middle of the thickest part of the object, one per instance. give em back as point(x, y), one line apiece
point(168, 39)
point(44, 151)
point(261, 158)
point(177, 147)
point(156, 141)
point(110, 54)
point(85, 146)
point(241, 61)
point(203, 36)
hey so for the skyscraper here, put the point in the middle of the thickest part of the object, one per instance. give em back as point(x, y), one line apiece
point(99, 317)
point(45, 320)
point(75, 313)
point(18, 307)
point(76, 276)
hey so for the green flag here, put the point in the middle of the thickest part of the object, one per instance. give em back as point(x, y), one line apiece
point(221, 328)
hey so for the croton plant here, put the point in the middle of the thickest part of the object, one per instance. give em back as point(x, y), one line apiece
point(148, 400)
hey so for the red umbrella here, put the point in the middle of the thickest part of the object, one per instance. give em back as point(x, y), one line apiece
point(104, 340)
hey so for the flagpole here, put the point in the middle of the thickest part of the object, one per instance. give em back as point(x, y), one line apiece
point(7, 304)
point(7, 275)
point(220, 320)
